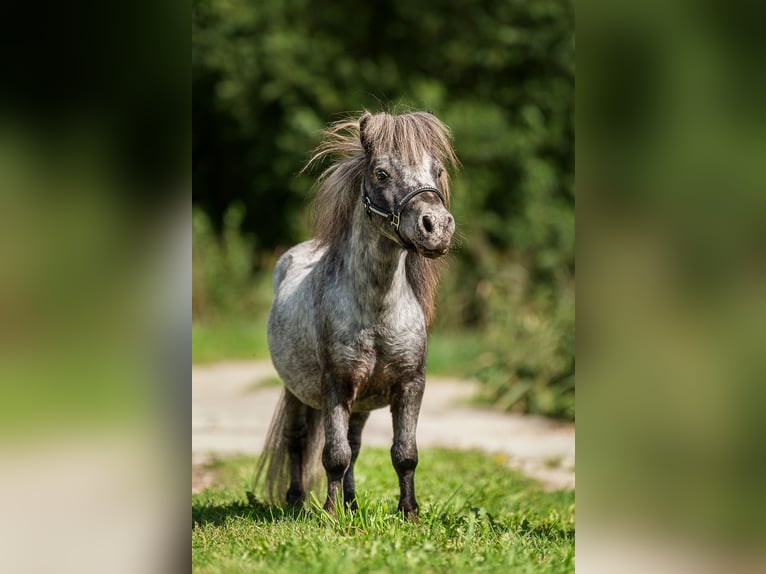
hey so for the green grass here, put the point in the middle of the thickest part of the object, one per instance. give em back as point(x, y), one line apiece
point(453, 353)
point(476, 516)
point(229, 339)
point(450, 353)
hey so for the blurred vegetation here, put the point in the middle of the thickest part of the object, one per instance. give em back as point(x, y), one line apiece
point(268, 76)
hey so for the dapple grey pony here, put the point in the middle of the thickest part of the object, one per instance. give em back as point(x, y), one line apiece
point(347, 329)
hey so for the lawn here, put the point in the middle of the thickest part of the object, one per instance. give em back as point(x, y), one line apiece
point(476, 515)
point(229, 339)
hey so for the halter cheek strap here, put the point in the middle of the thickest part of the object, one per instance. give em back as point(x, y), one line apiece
point(394, 216)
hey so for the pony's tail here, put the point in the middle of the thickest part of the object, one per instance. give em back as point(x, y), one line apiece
point(272, 471)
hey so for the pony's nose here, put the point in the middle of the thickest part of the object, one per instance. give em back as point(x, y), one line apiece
point(427, 224)
point(436, 229)
point(430, 223)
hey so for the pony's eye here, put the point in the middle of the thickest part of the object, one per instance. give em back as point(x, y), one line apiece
point(381, 174)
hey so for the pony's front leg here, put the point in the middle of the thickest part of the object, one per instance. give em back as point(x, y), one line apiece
point(405, 408)
point(336, 456)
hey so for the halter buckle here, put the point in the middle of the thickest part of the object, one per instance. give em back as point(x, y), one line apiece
point(395, 221)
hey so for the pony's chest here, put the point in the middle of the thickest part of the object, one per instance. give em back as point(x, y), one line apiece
point(379, 341)
point(368, 347)
point(379, 350)
point(387, 359)
point(397, 336)
point(389, 366)
point(376, 356)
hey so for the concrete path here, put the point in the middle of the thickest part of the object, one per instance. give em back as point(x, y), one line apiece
point(232, 404)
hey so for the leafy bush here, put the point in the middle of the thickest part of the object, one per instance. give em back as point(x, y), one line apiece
point(223, 282)
point(529, 365)
point(268, 76)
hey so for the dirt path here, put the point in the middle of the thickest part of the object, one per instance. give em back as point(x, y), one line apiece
point(232, 403)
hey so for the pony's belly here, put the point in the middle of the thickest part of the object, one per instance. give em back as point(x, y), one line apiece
point(303, 384)
point(309, 395)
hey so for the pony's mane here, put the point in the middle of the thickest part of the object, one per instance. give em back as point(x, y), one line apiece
point(409, 136)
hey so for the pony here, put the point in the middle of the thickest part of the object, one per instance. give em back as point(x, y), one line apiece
point(347, 331)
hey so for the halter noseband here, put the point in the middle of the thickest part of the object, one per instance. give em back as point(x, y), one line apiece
point(394, 216)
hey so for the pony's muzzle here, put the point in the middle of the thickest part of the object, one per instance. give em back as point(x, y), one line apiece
point(434, 231)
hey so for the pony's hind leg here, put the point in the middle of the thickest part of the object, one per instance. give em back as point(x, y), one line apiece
point(296, 437)
point(355, 426)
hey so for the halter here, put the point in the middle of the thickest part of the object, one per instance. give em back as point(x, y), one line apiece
point(394, 216)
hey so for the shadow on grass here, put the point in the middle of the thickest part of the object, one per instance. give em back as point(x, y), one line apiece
point(255, 510)
point(219, 514)
point(546, 530)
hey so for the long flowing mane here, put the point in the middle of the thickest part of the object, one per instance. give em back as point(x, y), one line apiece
point(409, 136)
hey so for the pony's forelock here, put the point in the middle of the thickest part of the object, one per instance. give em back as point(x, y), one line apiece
point(409, 136)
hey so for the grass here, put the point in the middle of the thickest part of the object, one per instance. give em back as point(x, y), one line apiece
point(453, 353)
point(450, 353)
point(229, 339)
point(476, 516)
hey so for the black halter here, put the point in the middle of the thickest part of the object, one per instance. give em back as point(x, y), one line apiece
point(393, 217)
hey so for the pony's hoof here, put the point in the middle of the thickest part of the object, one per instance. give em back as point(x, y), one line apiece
point(351, 504)
point(411, 516)
point(329, 508)
point(410, 513)
point(295, 498)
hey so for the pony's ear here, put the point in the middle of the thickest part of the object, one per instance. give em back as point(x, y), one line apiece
point(363, 120)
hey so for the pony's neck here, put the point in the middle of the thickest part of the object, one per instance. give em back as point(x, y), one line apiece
point(376, 265)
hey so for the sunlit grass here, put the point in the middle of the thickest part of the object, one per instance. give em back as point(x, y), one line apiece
point(229, 339)
point(476, 516)
point(453, 353)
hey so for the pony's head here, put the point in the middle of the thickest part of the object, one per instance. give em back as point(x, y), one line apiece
point(395, 166)
point(404, 186)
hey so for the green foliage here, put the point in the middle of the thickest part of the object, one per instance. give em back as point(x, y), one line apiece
point(223, 282)
point(268, 76)
point(529, 362)
point(476, 516)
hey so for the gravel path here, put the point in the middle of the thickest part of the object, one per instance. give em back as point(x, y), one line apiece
point(232, 403)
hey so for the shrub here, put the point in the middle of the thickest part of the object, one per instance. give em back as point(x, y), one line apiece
point(223, 283)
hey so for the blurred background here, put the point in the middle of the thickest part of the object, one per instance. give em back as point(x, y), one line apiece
point(268, 76)
point(94, 234)
point(671, 181)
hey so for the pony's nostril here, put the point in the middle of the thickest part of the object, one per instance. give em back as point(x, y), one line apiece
point(428, 225)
